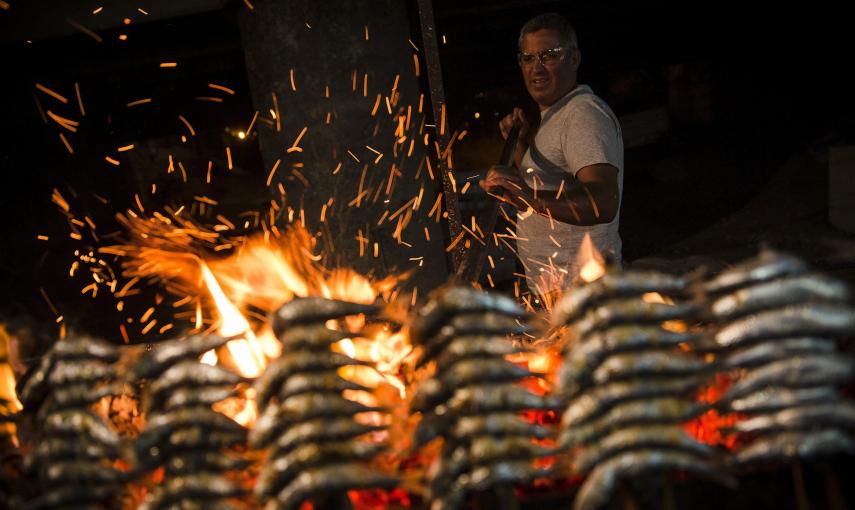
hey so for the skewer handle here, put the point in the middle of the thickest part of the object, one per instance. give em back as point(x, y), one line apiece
point(833, 493)
point(799, 486)
point(500, 497)
point(668, 501)
point(334, 501)
point(627, 498)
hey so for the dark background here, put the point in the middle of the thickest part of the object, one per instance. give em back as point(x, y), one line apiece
point(753, 97)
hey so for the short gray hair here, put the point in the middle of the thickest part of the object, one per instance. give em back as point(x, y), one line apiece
point(551, 21)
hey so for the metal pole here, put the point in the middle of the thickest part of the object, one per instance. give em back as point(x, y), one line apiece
point(437, 97)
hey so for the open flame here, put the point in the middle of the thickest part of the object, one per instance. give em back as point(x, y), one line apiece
point(591, 263)
point(9, 403)
point(264, 274)
point(246, 352)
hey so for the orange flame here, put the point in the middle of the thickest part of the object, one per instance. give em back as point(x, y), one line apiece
point(9, 403)
point(591, 263)
point(246, 352)
point(264, 275)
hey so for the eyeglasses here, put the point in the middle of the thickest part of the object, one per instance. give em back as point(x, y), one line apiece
point(546, 58)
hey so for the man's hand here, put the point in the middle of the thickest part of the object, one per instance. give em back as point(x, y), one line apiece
point(505, 127)
point(508, 121)
point(504, 183)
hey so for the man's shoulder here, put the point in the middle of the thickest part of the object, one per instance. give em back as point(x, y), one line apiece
point(585, 100)
point(586, 107)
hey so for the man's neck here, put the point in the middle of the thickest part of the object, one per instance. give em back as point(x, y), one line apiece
point(543, 107)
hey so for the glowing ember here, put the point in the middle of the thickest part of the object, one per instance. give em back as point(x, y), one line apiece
point(590, 261)
point(9, 403)
point(707, 428)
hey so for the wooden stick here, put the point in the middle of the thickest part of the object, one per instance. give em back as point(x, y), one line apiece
point(626, 496)
point(499, 497)
point(333, 501)
point(799, 486)
point(668, 501)
point(833, 493)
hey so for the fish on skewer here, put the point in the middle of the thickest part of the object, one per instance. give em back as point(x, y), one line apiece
point(780, 293)
point(452, 301)
point(814, 319)
point(625, 284)
point(793, 445)
point(805, 371)
point(315, 310)
point(600, 485)
point(776, 350)
point(768, 265)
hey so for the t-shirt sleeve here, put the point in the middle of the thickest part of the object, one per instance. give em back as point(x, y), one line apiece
point(590, 136)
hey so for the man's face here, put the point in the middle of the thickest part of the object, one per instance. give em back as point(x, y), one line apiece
point(550, 82)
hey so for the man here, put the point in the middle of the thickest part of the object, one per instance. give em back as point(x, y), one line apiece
point(568, 183)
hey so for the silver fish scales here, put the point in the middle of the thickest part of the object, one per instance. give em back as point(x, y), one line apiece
point(200, 487)
point(81, 347)
point(599, 487)
point(276, 376)
point(164, 355)
point(776, 350)
point(627, 384)
point(591, 350)
point(326, 479)
point(473, 399)
point(780, 293)
point(819, 319)
point(72, 462)
point(183, 434)
point(466, 325)
point(804, 371)
point(791, 445)
point(662, 437)
point(578, 300)
point(477, 346)
point(283, 468)
point(778, 325)
point(320, 430)
point(806, 417)
point(467, 372)
point(663, 410)
point(632, 311)
point(310, 337)
point(315, 310)
point(451, 301)
point(777, 398)
point(768, 265)
point(316, 449)
point(601, 398)
point(649, 365)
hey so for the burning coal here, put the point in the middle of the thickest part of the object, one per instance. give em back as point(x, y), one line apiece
point(350, 390)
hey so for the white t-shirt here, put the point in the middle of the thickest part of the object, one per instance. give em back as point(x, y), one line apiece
point(573, 134)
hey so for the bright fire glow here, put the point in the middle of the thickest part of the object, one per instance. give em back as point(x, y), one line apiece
point(246, 352)
point(591, 263)
point(261, 274)
point(9, 403)
point(265, 274)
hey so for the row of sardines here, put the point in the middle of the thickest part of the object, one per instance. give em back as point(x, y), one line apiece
point(637, 349)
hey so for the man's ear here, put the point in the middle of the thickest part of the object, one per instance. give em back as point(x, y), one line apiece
point(575, 58)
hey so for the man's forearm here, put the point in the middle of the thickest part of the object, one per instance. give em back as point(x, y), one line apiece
point(578, 204)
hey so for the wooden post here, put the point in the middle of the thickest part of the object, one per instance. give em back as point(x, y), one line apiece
point(799, 486)
point(440, 114)
point(334, 501)
point(833, 494)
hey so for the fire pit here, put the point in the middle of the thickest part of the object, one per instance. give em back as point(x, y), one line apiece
point(456, 414)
